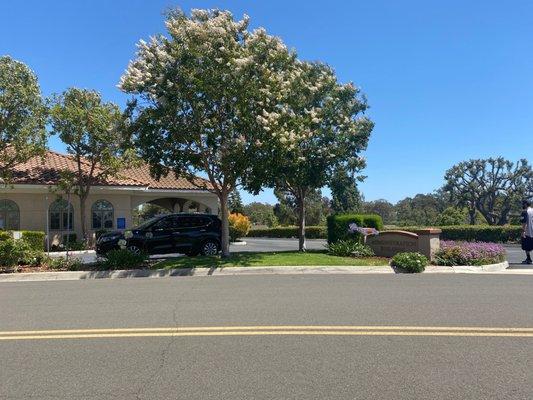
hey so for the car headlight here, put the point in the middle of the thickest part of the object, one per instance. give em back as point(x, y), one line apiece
point(128, 234)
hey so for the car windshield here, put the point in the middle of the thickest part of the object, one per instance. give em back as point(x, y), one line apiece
point(148, 223)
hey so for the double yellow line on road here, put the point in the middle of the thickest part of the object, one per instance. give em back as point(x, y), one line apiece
point(281, 330)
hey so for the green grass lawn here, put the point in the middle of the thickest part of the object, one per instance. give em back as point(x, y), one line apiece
point(289, 258)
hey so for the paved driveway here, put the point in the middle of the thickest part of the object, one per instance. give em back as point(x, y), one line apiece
point(266, 244)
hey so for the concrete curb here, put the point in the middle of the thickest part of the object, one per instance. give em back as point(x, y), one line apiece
point(231, 271)
point(499, 267)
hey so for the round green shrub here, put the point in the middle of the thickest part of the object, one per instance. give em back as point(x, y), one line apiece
point(410, 262)
point(123, 259)
point(349, 248)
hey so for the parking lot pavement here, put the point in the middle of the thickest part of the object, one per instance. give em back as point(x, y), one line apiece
point(515, 256)
point(269, 244)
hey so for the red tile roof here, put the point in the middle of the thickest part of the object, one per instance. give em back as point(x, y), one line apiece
point(47, 170)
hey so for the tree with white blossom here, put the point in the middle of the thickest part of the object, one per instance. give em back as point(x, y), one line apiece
point(197, 93)
point(320, 126)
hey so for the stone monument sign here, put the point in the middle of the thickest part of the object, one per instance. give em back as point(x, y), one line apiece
point(389, 243)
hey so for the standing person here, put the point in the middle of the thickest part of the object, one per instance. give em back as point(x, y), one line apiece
point(527, 230)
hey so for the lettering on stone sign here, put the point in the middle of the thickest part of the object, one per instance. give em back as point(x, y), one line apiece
point(387, 244)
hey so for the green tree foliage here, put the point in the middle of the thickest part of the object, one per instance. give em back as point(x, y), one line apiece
point(321, 130)
point(421, 210)
point(146, 211)
point(345, 196)
point(452, 216)
point(261, 214)
point(199, 90)
point(235, 202)
point(286, 210)
point(493, 186)
point(22, 116)
point(383, 208)
point(94, 135)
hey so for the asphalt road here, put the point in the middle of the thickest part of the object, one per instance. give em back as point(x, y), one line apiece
point(296, 366)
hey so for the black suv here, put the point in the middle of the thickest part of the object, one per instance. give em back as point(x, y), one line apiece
point(190, 234)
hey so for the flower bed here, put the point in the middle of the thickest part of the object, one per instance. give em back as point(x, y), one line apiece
point(453, 253)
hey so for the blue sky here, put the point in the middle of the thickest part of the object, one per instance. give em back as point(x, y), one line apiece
point(446, 80)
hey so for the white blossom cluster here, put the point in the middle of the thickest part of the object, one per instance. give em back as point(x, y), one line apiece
point(301, 106)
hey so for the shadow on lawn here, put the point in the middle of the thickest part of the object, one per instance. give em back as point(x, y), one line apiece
point(242, 259)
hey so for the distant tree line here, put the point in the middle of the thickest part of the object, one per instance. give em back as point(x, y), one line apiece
point(476, 192)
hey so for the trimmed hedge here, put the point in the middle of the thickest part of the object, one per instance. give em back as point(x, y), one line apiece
point(338, 225)
point(311, 232)
point(5, 235)
point(34, 239)
point(476, 233)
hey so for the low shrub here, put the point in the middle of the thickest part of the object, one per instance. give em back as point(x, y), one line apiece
point(338, 225)
point(34, 239)
point(239, 226)
point(123, 259)
point(5, 235)
point(469, 253)
point(349, 248)
point(286, 232)
point(476, 233)
point(12, 252)
point(410, 262)
point(62, 264)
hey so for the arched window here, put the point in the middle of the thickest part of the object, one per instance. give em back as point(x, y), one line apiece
point(9, 215)
point(102, 215)
point(61, 215)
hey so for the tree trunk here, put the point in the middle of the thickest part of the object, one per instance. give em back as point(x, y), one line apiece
point(83, 200)
point(472, 214)
point(301, 223)
point(224, 214)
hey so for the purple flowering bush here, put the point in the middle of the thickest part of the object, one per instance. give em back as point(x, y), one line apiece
point(469, 253)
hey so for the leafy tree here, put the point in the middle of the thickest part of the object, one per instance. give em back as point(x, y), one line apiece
point(146, 211)
point(320, 130)
point(22, 116)
point(381, 207)
point(201, 88)
point(493, 186)
point(451, 216)
point(344, 192)
point(94, 135)
point(317, 208)
point(261, 214)
point(421, 210)
point(235, 202)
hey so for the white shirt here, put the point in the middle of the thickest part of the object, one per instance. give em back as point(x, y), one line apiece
point(527, 218)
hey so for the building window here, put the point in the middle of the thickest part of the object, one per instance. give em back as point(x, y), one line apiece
point(61, 215)
point(9, 215)
point(102, 215)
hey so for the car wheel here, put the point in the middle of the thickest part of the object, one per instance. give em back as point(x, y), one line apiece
point(134, 249)
point(209, 248)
